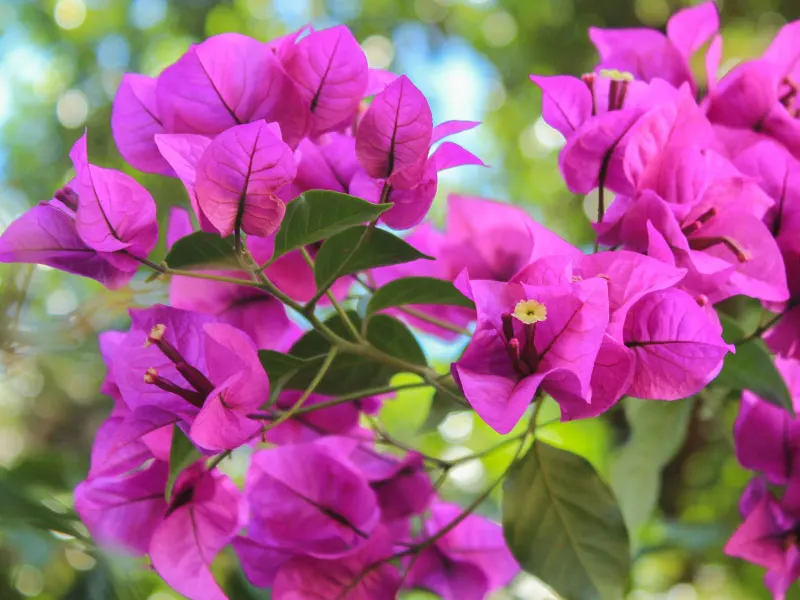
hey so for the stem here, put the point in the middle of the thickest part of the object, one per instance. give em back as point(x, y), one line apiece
point(324, 288)
point(309, 390)
point(422, 316)
point(335, 303)
point(761, 329)
point(418, 314)
point(601, 210)
point(368, 393)
point(214, 462)
point(443, 464)
point(420, 547)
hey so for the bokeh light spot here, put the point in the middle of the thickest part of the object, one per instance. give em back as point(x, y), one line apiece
point(72, 108)
point(379, 51)
point(69, 14)
point(499, 29)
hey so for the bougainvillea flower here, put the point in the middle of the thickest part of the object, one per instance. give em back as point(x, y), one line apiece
point(678, 345)
point(228, 80)
point(394, 135)
point(46, 235)
point(260, 559)
point(721, 240)
point(493, 240)
point(778, 174)
point(183, 151)
point(354, 577)
point(206, 373)
point(128, 438)
point(135, 123)
point(427, 240)
point(238, 177)
point(630, 277)
point(203, 516)
point(762, 95)
point(258, 314)
point(330, 71)
point(402, 486)
point(468, 562)
point(767, 439)
point(527, 337)
point(768, 537)
point(124, 510)
point(412, 202)
point(669, 140)
point(339, 419)
point(310, 500)
point(115, 214)
point(648, 53)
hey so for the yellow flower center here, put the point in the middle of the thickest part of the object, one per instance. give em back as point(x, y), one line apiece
point(530, 311)
point(616, 75)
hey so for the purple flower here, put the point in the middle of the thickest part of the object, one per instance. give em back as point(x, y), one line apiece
point(308, 499)
point(493, 240)
point(203, 517)
point(135, 123)
point(228, 80)
point(329, 69)
point(124, 510)
point(238, 176)
point(207, 374)
point(530, 336)
point(114, 214)
point(365, 574)
point(392, 144)
point(647, 53)
point(339, 419)
point(402, 486)
point(767, 439)
point(428, 240)
point(46, 235)
point(678, 345)
point(97, 226)
point(469, 562)
point(769, 537)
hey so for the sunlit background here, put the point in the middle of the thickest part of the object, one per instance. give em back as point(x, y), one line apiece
point(60, 64)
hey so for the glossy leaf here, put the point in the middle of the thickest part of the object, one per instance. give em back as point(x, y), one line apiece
point(357, 249)
point(202, 250)
point(417, 290)
point(658, 430)
point(563, 525)
point(348, 372)
point(752, 368)
point(318, 214)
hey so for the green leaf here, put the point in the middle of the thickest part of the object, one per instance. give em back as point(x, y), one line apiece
point(202, 250)
point(355, 249)
point(279, 364)
point(417, 290)
point(182, 454)
point(563, 525)
point(752, 368)
point(318, 214)
point(658, 430)
point(20, 506)
point(348, 372)
point(391, 336)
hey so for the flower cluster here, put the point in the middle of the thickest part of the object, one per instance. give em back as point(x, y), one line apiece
point(696, 204)
point(768, 441)
point(705, 180)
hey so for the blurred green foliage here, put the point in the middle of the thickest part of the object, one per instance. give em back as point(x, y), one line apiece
point(60, 63)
